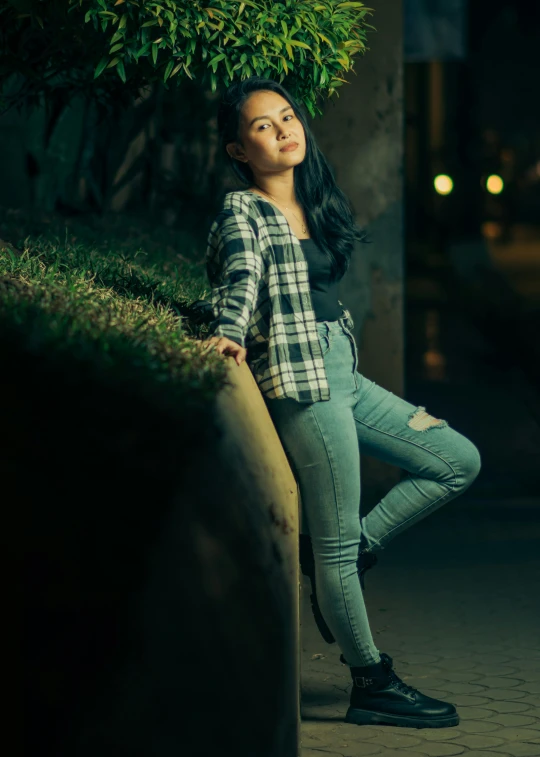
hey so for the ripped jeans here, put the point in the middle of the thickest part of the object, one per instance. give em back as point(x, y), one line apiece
point(323, 441)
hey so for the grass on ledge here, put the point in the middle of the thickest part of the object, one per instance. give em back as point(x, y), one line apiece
point(115, 311)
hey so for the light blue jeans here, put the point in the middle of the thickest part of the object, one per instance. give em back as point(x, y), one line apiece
point(322, 441)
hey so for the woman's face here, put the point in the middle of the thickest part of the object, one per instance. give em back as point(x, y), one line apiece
point(268, 123)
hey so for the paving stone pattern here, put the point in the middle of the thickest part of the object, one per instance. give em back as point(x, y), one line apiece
point(455, 602)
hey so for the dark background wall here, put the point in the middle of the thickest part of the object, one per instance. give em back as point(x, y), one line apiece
point(362, 135)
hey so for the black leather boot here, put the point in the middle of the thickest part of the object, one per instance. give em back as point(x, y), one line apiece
point(380, 697)
point(366, 560)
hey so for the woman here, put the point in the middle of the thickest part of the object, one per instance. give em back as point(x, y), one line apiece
point(276, 253)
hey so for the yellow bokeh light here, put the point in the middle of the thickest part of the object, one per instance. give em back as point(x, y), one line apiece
point(443, 184)
point(494, 184)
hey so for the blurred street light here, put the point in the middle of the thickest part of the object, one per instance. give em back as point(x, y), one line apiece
point(443, 184)
point(494, 184)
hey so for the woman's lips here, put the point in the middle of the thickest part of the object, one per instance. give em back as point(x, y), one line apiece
point(290, 146)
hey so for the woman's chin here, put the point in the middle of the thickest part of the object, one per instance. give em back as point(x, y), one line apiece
point(292, 157)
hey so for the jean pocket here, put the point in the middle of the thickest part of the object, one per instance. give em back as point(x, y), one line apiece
point(324, 341)
point(354, 350)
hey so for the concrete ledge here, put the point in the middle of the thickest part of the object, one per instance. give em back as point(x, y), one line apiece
point(251, 444)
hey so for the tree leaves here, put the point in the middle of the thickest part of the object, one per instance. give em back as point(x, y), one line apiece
point(101, 65)
point(308, 44)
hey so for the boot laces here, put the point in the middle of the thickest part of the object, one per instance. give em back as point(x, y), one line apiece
point(396, 680)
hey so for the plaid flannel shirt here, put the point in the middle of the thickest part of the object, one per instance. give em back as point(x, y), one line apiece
point(261, 297)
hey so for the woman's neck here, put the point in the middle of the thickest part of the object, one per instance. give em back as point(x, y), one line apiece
point(282, 192)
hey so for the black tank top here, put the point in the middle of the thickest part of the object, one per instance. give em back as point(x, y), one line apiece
point(324, 294)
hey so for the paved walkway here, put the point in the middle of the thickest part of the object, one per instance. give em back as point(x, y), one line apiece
point(455, 600)
point(455, 603)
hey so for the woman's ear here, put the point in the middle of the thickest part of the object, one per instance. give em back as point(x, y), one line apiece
point(236, 152)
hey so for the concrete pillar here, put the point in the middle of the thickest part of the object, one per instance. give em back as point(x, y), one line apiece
point(361, 133)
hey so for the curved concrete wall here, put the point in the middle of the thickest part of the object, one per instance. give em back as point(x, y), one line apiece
point(251, 443)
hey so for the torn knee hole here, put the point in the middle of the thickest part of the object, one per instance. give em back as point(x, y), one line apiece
point(419, 420)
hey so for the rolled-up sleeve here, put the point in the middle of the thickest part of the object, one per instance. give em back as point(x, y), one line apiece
point(234, 269)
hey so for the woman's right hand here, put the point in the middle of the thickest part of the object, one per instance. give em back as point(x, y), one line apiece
point(227, 347)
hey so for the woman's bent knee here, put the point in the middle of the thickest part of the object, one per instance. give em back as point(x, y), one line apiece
point(470, 464)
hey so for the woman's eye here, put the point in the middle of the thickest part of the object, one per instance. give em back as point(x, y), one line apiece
point(288, 116)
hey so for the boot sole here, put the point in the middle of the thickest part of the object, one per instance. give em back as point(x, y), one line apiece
point(367, 717)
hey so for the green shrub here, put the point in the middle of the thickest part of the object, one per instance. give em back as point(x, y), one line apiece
point(307, 44)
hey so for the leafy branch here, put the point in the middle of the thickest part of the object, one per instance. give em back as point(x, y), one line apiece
point(307, 44)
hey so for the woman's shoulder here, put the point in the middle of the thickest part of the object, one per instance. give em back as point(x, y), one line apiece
point(237, 203)
point(239, 200)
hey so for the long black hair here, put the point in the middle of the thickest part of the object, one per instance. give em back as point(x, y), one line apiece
point(328, 211)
